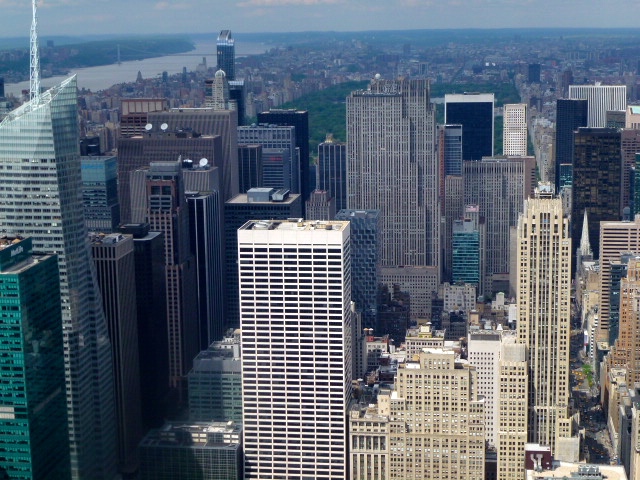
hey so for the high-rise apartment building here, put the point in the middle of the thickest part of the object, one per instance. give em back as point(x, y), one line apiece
point(34, 441)
point(295, 293)
point(499, 187)
point(100, 193)
point(544, 317)
point(332, 170)
point(570, 115)
point(300, 120)
point(226, 54)
point(256, 203)
point(55, 221)
point(365, 266)
point(615, 239)
point(514, 130)
point(115, 265)
point(392, 167)
point(601, 99)
point(597, 175)
point(474, 111)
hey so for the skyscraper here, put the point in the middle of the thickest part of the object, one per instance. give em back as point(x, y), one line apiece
point(467, 251)
point(332, 170)
point(115, 265)
point(100, 193)
point(226, 54)
point(597, 175)
point(249, 167)
point(630, 146)
point(280, 155)
point(365, 262)
point(570, 115)
point(601, 99)
point(474, 111)
point(34, 441)
point(392, 167)
point(498, 186)
point(615, 238)
point(452, 150)
point(295, 289)
point(300, 120)
point(514, 130)
point(167, 211)
point(256, 203)
point(44, 201)
point(544, 317)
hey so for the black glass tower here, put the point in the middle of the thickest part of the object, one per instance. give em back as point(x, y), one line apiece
point(226, 54)
point(474, 111)
point(570, 115)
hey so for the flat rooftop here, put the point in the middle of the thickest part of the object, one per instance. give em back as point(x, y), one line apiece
point(295, 224)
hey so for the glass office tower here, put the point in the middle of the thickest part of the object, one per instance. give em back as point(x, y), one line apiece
point(33, 416)
point(41, 197)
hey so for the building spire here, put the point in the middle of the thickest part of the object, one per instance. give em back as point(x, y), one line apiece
point(34, 74)
point(585, 246)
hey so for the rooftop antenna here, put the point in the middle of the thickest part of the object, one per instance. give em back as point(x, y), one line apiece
point(34, 86)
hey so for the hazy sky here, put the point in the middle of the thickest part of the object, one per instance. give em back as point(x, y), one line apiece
point(68, 17)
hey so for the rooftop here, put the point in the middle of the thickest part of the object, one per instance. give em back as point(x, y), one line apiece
point(294, 224)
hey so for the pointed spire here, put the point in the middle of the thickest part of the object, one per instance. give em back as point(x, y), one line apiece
point(34, 74)
point(585, 246)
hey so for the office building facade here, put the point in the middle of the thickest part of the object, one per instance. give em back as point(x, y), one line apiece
point(320, 206)
point(544, 316)
point(296, 275)
point(115, 266)
point(211, 450)
point(34, 441)
point(100, 193)
point(300, 120)
point(365, 261)
point(601, 99)
point(54, 167)
point(249, 167)
point(215, 382)
point(570, 115)
point(256, 203)
point(498, 186)
point(332, 170)
point(467, 252)
point(474, 111)
point(597, 176)
point(514, 130)
point(391, 148)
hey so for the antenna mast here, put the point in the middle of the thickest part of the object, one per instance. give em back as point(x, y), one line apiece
point(34, 86)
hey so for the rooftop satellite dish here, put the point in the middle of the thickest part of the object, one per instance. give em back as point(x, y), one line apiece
point(203, 162)
point(164, 126)
point(148, 127)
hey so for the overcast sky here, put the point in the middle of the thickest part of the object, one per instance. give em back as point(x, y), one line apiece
point(68, 17)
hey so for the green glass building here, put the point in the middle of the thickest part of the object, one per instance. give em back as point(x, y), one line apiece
point(33, 412)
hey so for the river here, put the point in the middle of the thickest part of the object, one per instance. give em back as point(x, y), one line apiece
point(99, 78)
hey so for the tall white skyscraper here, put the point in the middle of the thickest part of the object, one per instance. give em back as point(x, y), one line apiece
point(41, 198)
point(295, 315)
point(544, 321)
point(514, 132)
point(392, 167)
point(601, 99)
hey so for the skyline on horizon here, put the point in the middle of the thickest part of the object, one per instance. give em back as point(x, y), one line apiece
point(71, 17)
